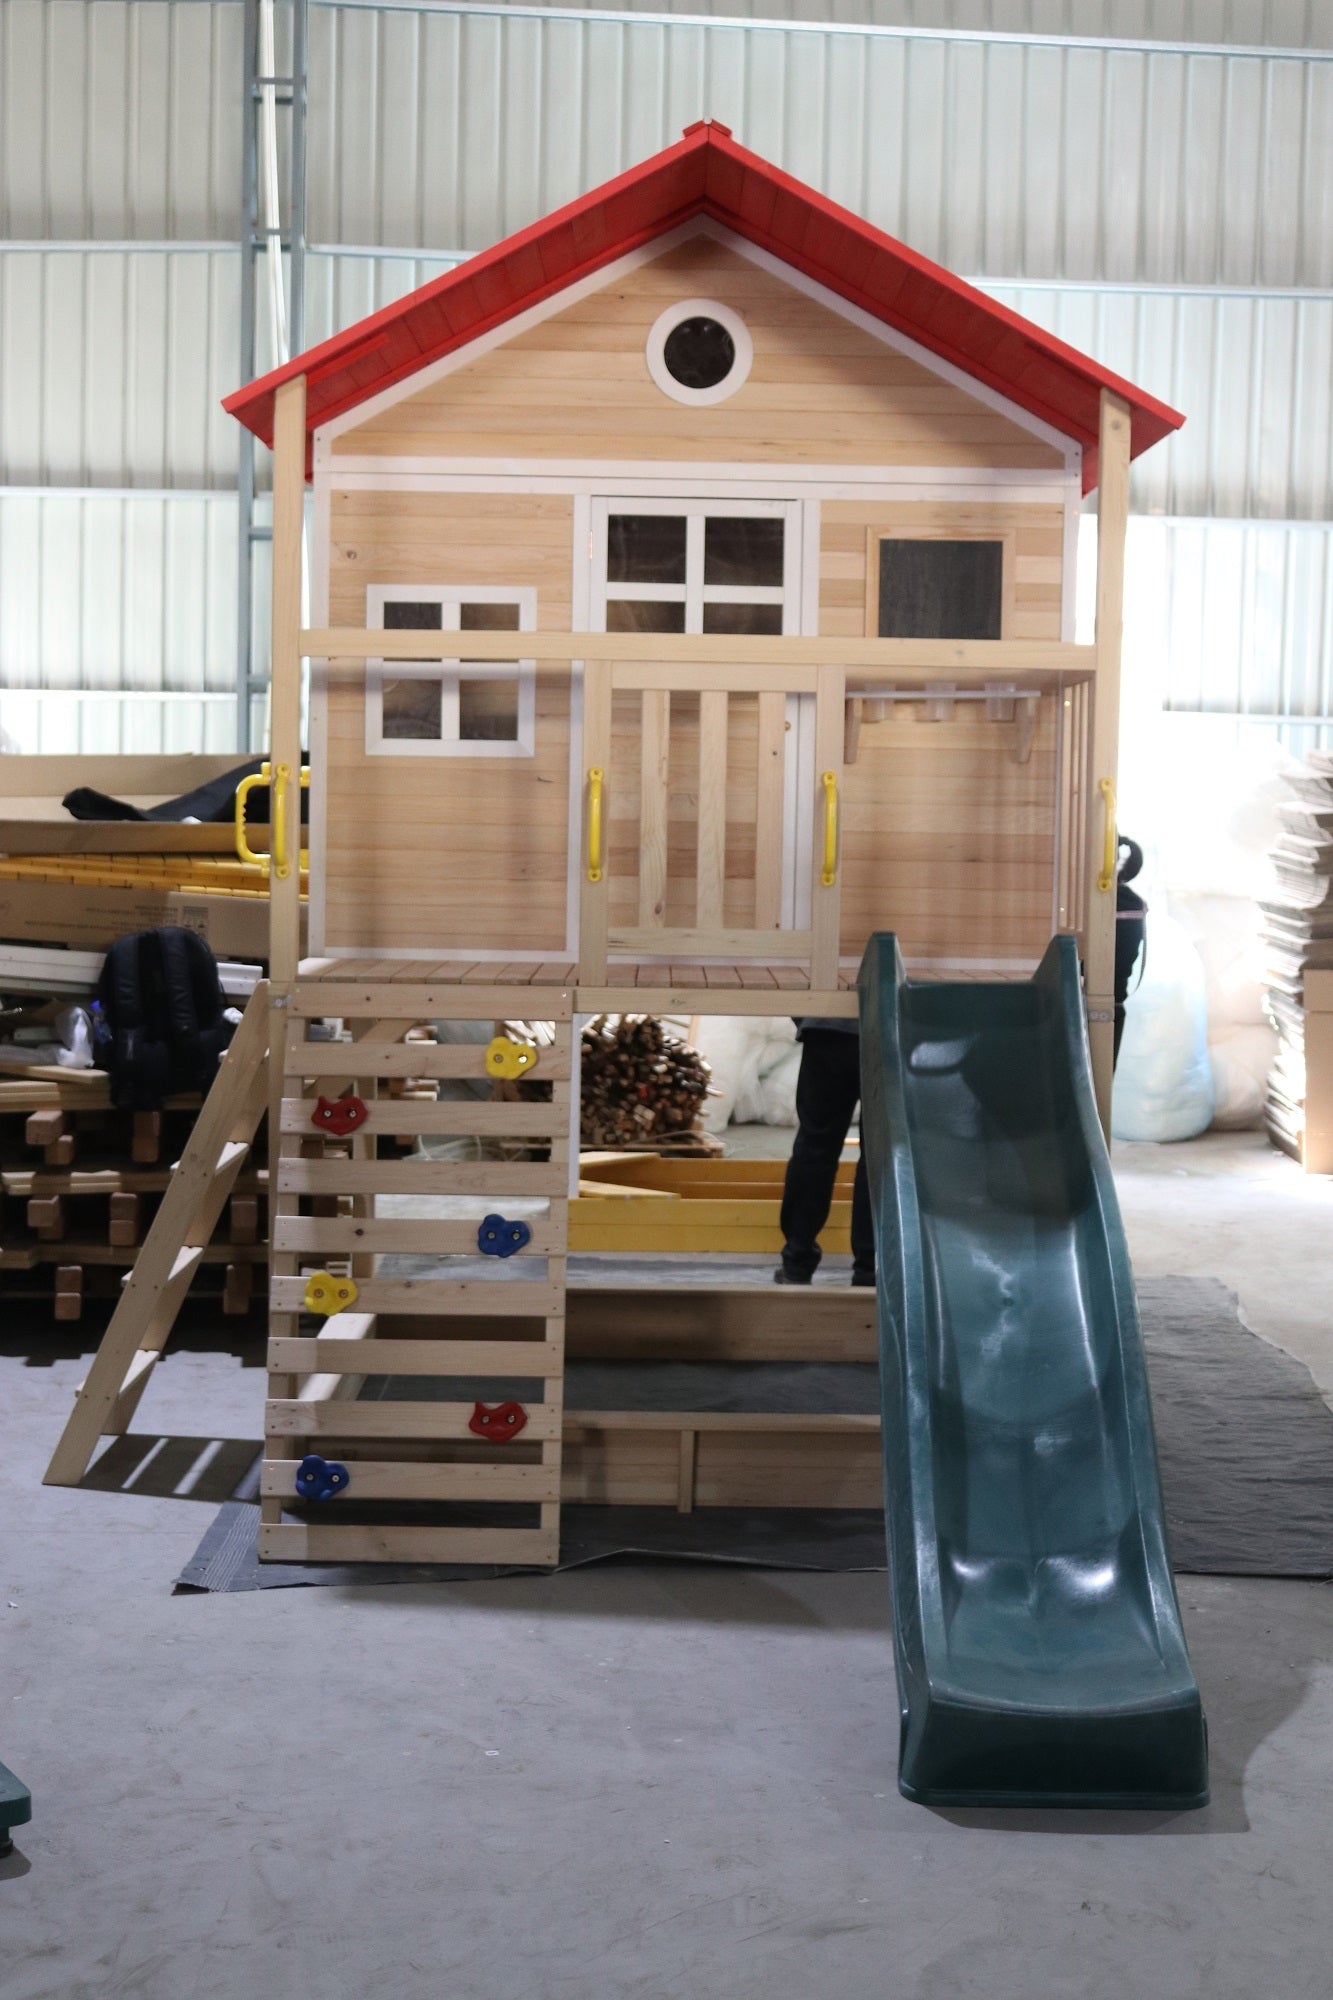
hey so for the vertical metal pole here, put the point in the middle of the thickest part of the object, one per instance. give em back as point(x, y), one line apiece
point(296, 215)
point(246, 467)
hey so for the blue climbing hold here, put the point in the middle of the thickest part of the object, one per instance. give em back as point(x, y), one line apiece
point(499, 1238)
point(320, 1478)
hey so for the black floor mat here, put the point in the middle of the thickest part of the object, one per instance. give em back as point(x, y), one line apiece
point(1245, 1442)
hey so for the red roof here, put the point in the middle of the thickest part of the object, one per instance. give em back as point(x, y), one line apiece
point(707, 173)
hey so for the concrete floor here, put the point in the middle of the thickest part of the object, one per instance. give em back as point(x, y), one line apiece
point(664, 1784)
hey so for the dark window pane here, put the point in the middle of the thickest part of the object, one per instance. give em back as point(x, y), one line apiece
point(741, 551)
point(412, 708)
point(488, 711)
point(699, 353)
point(940, 590)
point(402, 616)
point(637, 617)
point(645, 548)
point(763, 618)
point(488, 617)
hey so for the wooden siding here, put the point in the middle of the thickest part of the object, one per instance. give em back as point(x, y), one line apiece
point(947, 838)
point(448, 853)
point(821, 391)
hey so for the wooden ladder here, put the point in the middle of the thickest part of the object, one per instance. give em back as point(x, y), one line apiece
point(423, 1484)
point(155, 1289)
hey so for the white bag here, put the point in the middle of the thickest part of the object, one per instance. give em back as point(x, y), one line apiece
point(1163, 1080)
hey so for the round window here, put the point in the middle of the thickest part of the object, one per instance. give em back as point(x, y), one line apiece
point(699, 352)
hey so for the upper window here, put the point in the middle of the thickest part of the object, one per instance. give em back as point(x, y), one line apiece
point(699, 351)
point(450, 707)
point(719, 566)
point(937, 589)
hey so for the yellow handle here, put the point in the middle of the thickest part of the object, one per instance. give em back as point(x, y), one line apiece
point(1106, 880)
point(595, 777)
point(829, 874)
point(244, 851)
point(282, 865)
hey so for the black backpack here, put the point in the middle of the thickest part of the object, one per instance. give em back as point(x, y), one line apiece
point(159, 1024)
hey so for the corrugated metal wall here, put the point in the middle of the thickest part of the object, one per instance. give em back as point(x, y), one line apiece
point(1170, 212)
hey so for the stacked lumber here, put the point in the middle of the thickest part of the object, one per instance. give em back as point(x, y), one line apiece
point(1298, 966)
point(81, 1181)
point(640, 1084)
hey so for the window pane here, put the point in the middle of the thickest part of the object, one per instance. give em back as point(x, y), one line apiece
point(637, 617)
point(400, 615)
point(412, 708)
point(488, 617)
point(764, 618)
point(645, 548)
point(741, 551)
point(699, 353)
point(488, 710)
point(940, 590)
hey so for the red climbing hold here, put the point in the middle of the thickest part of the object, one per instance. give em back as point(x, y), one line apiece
point(339, 1115)
point(500, 1425)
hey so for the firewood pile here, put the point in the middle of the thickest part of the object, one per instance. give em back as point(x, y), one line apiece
point(640, 1084)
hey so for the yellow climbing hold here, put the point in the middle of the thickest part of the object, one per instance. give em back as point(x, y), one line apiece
point(326, 1294)
point(509, 1058)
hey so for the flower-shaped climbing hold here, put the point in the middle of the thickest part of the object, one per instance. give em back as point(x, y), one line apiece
point(499, 1425)
point(507, 1058)
point(320, 1478)
point(339, 1115)
point(497, 1237)
point(326, 1294)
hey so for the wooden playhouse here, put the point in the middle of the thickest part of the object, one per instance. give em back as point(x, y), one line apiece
point(752, 533)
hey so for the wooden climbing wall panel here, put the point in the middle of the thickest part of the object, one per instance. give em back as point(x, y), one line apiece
point(448, 1436)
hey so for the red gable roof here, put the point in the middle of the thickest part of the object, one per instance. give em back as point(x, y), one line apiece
point(707, 173)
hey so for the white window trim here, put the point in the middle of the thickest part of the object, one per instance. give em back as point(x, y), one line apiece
point(654, 352)
point(450, 672)
point(694, 593)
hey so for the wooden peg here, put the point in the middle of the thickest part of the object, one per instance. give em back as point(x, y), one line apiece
point(69, 1291)
point(1025, 727)
point(146, 1141)
point(243, 1219)
point(126, 1221)
point(46, 1217)
point(238, 1288)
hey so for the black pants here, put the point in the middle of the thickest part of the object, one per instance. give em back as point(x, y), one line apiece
point(826, 1094)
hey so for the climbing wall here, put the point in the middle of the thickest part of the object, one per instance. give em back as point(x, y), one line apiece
point(416, 1354)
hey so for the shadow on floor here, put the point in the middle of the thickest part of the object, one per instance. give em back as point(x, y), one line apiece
point(1255, 1645)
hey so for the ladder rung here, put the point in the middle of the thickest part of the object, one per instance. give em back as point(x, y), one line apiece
point(231, 1157)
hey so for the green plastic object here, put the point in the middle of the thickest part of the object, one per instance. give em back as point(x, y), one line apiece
point(15, 1807)
point(1039, 1649)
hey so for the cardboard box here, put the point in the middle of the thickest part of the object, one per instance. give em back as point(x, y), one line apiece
point(1317, 1151)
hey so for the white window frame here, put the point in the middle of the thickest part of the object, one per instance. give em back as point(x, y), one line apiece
point(664, 326)
point(449, 673)
point(694, 593)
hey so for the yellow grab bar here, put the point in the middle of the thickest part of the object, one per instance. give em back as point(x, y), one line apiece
point(244, 851)
point(1106, 880)
point(829, 873)
point(595, 776)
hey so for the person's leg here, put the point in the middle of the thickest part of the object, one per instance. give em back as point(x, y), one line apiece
point(863, 1226)
point(826, 1092)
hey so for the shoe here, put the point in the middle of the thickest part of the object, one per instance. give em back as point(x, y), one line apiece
point(782, 1276)
point(863, 1278)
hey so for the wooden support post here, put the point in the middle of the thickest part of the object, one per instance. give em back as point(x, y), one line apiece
point(1104, 744)
point(284, 891)
point(69, 1291)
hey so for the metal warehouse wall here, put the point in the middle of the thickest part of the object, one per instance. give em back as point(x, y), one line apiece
point(1169, 209)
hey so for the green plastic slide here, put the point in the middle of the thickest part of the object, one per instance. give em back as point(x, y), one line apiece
point(1038, 1640)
